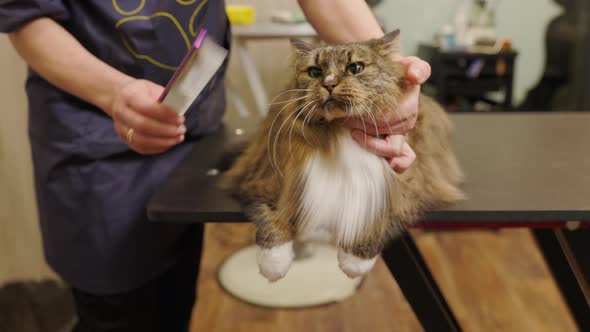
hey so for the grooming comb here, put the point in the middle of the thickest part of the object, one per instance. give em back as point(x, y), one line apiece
point(194, 72)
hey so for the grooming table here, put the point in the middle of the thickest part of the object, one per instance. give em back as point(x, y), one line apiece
point(527, 170)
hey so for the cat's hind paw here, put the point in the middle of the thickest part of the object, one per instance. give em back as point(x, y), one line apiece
point(354, 266)
point(274, 263)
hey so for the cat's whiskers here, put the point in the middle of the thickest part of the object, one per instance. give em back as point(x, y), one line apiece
point(383, 115)
point(309, 104)
point(374, 119)
point(355, 109)
point(274, 146)
point(395, 109)
point(403, 141)
point(275, 167)
point(364, 126)
point(347, 106)
point(368, 111)
point(350, 110)
point(365, 108)
point(310, 113)
point(291, 90)
point(348, 114)
point(401, 118)
point(293, 124)
point(274, 154)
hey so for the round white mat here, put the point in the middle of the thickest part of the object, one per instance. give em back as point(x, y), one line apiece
point(311, 281)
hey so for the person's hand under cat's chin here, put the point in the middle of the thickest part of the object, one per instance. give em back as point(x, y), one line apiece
point(394, 125)
point(394, 148)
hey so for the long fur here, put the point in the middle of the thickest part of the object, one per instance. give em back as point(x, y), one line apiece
point(304, 174)
point(344, 193)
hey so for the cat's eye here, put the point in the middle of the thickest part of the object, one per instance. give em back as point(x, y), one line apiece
point(356, 67)
point(315, 72)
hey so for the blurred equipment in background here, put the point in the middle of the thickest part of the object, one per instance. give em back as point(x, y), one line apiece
point(240, 14)
point(470, 62)
point(473, 26)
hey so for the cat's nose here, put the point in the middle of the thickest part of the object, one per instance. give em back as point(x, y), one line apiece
point(330, 84)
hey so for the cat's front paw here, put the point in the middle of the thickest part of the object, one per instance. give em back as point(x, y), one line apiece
point(274, 263)
point(354, 266)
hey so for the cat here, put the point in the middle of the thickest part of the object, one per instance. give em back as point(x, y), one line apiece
point(303, 176)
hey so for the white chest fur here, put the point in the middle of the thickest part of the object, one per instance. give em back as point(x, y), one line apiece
point(343, 194)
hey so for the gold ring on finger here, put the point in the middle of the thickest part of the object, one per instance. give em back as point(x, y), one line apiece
point(130, 134)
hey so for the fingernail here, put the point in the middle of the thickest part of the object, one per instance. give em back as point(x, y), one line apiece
point(181, 129)
point(181, 138)
point(181, 119)
point(417, 73)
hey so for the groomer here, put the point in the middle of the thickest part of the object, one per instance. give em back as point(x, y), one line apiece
point(102, 144)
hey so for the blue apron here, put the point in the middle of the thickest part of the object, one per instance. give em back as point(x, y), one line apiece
point(91, 189)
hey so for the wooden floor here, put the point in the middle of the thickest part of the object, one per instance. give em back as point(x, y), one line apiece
point(493, 280)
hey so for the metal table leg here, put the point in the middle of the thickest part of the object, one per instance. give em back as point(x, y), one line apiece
point(563, 258)
point(419, 287)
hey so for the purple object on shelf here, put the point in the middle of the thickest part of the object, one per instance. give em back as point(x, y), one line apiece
point(475, 68)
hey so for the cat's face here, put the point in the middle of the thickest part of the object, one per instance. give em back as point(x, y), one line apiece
point(348, 80)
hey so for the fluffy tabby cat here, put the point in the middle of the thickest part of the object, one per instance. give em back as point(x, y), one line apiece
point(303, 175)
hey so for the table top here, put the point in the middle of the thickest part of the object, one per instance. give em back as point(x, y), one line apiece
point(273, 30)
point(520, 167)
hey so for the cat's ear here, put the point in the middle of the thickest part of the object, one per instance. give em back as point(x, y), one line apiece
point(300, 45)
point(388, 44)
